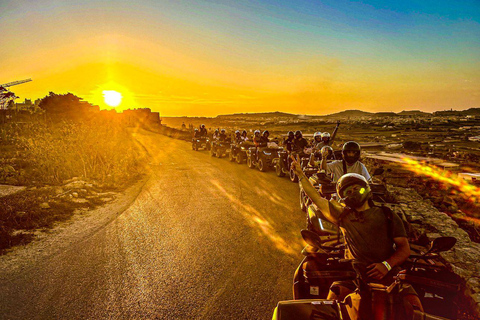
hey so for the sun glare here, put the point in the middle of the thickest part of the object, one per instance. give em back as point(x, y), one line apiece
point(112, 97)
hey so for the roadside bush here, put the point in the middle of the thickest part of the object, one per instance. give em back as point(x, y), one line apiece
point(105, 152)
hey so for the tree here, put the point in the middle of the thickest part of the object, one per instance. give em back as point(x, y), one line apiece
point(59, 107)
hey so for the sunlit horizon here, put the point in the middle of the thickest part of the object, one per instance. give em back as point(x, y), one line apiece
point(201, 58)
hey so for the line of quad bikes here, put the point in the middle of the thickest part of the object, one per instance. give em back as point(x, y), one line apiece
point(438, 288)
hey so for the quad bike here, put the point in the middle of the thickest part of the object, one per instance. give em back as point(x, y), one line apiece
point(201, 143)
point(262, 158)
point(238, 151)
point(437, 287)
point(220, 148)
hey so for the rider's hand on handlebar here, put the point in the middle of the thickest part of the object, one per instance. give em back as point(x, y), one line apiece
point(377, 271)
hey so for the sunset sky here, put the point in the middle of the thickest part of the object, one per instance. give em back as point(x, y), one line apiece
point(216, 57)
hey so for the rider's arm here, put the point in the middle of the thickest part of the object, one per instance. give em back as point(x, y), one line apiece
point(311, 162)
point(402, 252)
point(321, 203)
point(334, 133)
point(365, 172)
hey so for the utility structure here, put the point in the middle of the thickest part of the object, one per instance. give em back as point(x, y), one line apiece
point(6, 96)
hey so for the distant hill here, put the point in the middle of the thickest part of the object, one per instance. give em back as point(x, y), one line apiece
point(416, 113)
point(350, 113)
point(275, 114)
point(385, 114)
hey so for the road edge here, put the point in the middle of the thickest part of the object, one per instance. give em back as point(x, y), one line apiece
point(65, 234)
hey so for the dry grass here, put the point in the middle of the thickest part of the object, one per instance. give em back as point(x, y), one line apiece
point(105, 153)
point(34, 154)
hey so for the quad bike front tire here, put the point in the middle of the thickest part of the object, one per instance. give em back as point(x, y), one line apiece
point(278, 170)
point(212, 152)
point(262, 165)
point(250, 163)
point(293, 176)
point(239, 158)
point(231, 156)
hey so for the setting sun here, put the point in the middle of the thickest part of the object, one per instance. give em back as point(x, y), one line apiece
point(112, 97)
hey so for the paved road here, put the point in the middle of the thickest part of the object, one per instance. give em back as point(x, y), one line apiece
point(205, 239)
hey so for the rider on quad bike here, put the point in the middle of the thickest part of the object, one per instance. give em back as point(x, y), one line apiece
point(222, 136)
point(349, 164)
point(300, 143)
point(288, 142)
point(377, 244)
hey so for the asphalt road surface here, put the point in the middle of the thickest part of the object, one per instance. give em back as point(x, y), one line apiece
point(205, 239)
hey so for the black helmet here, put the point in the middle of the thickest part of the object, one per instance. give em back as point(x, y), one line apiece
point(357, 198)
point(291, 134)
point(244, 132)
point(351, 146)
point(298, 134)
point(266, 132)
point(202, 126)
point(331, 154)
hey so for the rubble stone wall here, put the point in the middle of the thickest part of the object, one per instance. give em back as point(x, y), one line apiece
point(464, 257)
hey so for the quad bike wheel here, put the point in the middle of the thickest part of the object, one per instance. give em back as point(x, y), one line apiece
point(262, 165)
point(208, 146)
point(231, 156)
point(212, 152)
point(278, 170)
point(250, 163)
point(219, 153)
point(293, 176)
point(239, 157)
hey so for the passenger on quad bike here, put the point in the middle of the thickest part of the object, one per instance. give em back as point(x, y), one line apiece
point(317, 138)
point(215, 134)
point(264, 140)
point(238, 137)
point(196, 133)
point(257, 137)
point(327, 141)
point(369, 234)
point(349, 164)
point(203, 131)
point(244, 135)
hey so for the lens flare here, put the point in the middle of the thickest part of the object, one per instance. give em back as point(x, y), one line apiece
point(451, 181)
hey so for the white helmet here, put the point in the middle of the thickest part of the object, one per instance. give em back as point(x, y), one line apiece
point(317, 134)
